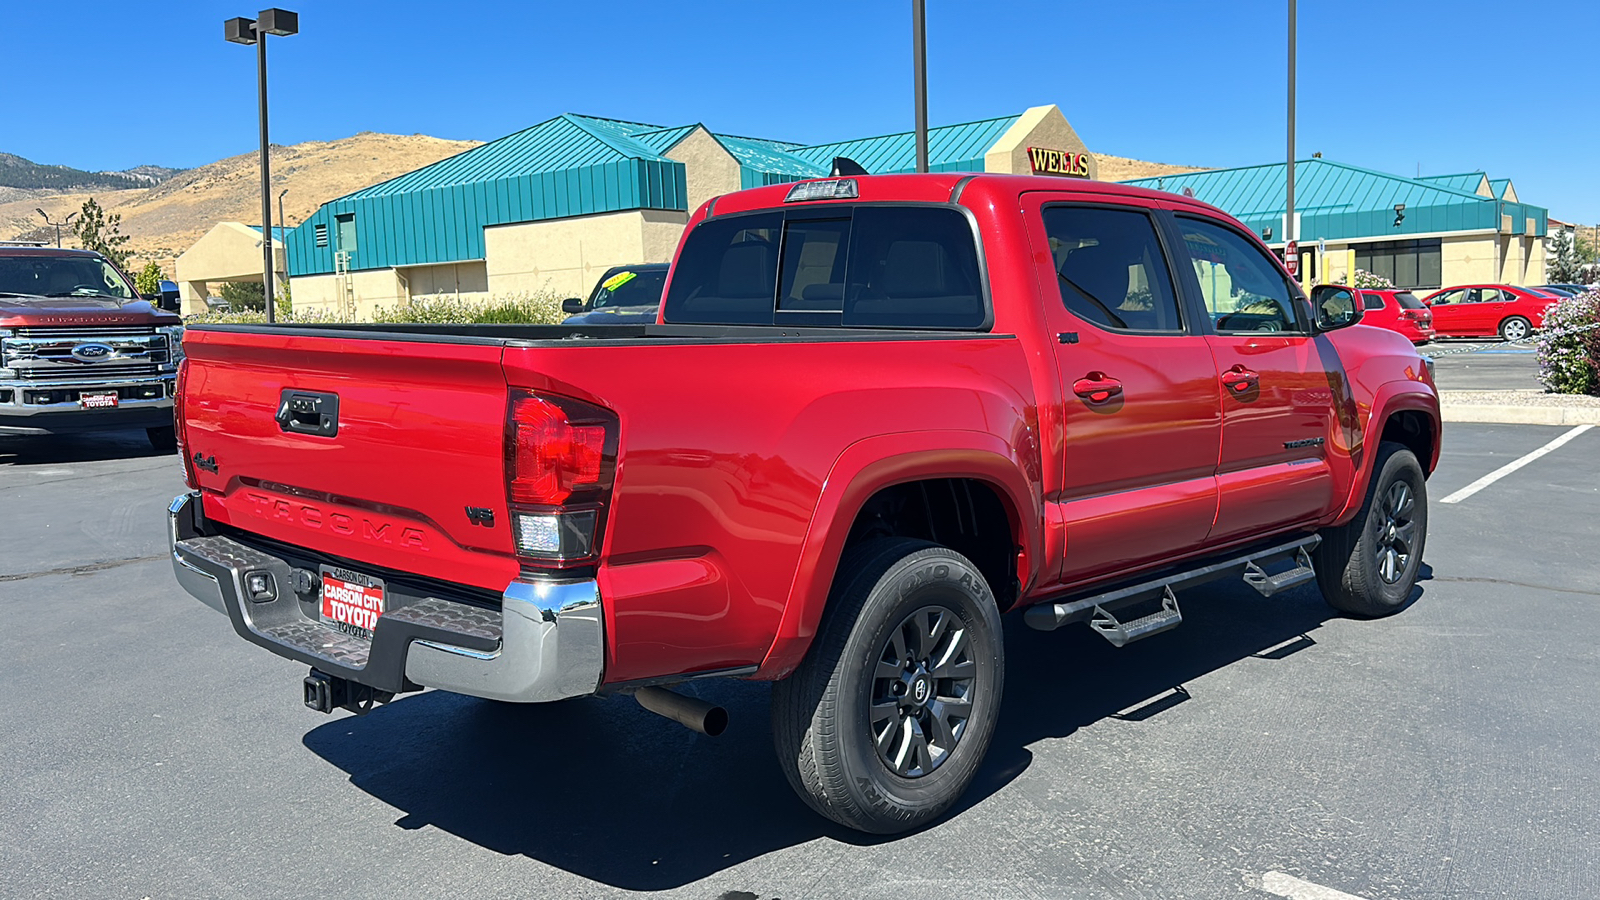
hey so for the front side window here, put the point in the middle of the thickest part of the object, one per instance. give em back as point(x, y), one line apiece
point(1110, 268)
point(63, 276)
point(1449, 297)
point(863, 266)
point(1243, 290)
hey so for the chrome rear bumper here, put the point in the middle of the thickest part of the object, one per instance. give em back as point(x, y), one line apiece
point(546, 642)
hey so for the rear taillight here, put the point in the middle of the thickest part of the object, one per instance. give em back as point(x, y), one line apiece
point(1408, 314)
point(560, 460)
point(178, 427)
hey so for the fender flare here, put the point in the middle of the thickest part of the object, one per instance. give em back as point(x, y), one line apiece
point(870, 465)
point(1392, 397)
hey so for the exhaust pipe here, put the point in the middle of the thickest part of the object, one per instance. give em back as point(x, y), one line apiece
point(690, 712)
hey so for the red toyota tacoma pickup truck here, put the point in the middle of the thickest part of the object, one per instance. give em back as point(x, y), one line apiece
point(875, 414)
point(80, 350)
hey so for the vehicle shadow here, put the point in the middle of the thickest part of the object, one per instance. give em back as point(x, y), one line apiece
point(97, 446)
point(605, 790)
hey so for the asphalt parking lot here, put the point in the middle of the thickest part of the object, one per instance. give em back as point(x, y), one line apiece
point(1266, 748)
point(1484, 366)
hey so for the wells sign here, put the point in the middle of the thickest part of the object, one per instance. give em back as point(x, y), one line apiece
point(1059, 162)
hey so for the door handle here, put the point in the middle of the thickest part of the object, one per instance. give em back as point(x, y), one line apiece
point(1097, 387)
point(1239, 379)
point(307, 412)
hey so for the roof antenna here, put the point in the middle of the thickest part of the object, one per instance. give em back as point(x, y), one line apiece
point(844, 165)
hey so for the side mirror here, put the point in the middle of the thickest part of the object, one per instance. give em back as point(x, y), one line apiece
point(1335, 306)
point(170, 301)
point(572, 305)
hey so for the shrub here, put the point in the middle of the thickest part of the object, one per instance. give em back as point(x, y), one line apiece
point(246, 295)
point(259, 317)
point(515, 309)
point(1365, 279)
point(1569, 345)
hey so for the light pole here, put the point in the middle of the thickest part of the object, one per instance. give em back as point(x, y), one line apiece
point(1288, 223)
point(254, 31)
point(57, 225)
point(919, 74)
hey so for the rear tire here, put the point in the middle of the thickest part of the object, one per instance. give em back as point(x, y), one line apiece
point(1515, 329)
point(1367, 566)
point(886, 746)
point(164, 438)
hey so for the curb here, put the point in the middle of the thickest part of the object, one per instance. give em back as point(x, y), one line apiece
point(1519, 415)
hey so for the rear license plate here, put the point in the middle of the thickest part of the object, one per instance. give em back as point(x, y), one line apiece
point(351, 602)
point(98, 399)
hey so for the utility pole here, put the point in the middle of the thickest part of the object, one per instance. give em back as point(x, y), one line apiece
point(254, 31)
point(919, 67)
point(283, 224)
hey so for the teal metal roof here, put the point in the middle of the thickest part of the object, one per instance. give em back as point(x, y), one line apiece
point(1468, 182)
point(1499, 185)
point(1337, 201)
point(566, 166)
point(951, 148)
point(579, 165)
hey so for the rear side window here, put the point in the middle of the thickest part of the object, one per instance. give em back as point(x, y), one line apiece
point(1372, 301)
point(863, 266)
point(1111, 270)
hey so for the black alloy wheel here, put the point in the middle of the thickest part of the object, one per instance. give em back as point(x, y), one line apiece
point(921, 692)
point(1398, 534)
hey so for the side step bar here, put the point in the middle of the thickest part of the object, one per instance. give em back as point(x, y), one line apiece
point(1096, 609)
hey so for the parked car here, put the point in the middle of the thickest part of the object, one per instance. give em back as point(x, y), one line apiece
point(80, 350)
point(623, 294)
point(1398, 310)
point(1486, 310)
point(880, 412)
point(1565, 290)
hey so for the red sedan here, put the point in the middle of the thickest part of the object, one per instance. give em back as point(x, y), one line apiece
point(1486, 310)
point(1397, 310)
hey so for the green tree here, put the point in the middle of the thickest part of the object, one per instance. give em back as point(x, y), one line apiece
point(148, 280)
point(1564, 266)
point(102, 233)
point(245, 295)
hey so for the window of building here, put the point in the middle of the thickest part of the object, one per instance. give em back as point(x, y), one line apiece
point(1242, 288)
point(1111, 270)
point(347, 232)
point(1409, 264)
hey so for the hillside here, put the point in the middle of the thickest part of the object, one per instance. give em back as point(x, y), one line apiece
point(27, 175)
point(164, 219)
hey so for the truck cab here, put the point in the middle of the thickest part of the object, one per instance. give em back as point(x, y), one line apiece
point(80, 350)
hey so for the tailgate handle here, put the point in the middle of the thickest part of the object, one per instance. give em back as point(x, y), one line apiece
point(308, 412)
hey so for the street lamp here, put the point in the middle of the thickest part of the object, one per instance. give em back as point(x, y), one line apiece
point(57, 225)
point(919, 75)
point(283, 23)
point(283, 224)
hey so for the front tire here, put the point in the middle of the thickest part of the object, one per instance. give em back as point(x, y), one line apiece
point(1367, 566)
point(885, 723)
point(1515, 329)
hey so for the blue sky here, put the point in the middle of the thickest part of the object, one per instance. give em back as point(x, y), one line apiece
point(1447, 86)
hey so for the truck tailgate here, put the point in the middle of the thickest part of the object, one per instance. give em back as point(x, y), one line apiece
point(420, 430)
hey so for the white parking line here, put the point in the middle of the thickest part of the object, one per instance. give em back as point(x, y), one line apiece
point(1512, 466)
point(1295, 889)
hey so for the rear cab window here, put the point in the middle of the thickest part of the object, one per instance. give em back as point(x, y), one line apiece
point(850, 265)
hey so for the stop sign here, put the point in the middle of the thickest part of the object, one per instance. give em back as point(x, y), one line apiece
point(1291, 258)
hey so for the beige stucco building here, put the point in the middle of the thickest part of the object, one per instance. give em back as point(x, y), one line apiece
point(548, 209)
point(230, 251)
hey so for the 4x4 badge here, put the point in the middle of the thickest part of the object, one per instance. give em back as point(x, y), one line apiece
point(481, 515)
point(209, 463)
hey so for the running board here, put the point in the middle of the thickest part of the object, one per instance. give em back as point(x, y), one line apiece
point(1248, 565)
point(1121, 633)
point(1272, 584)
